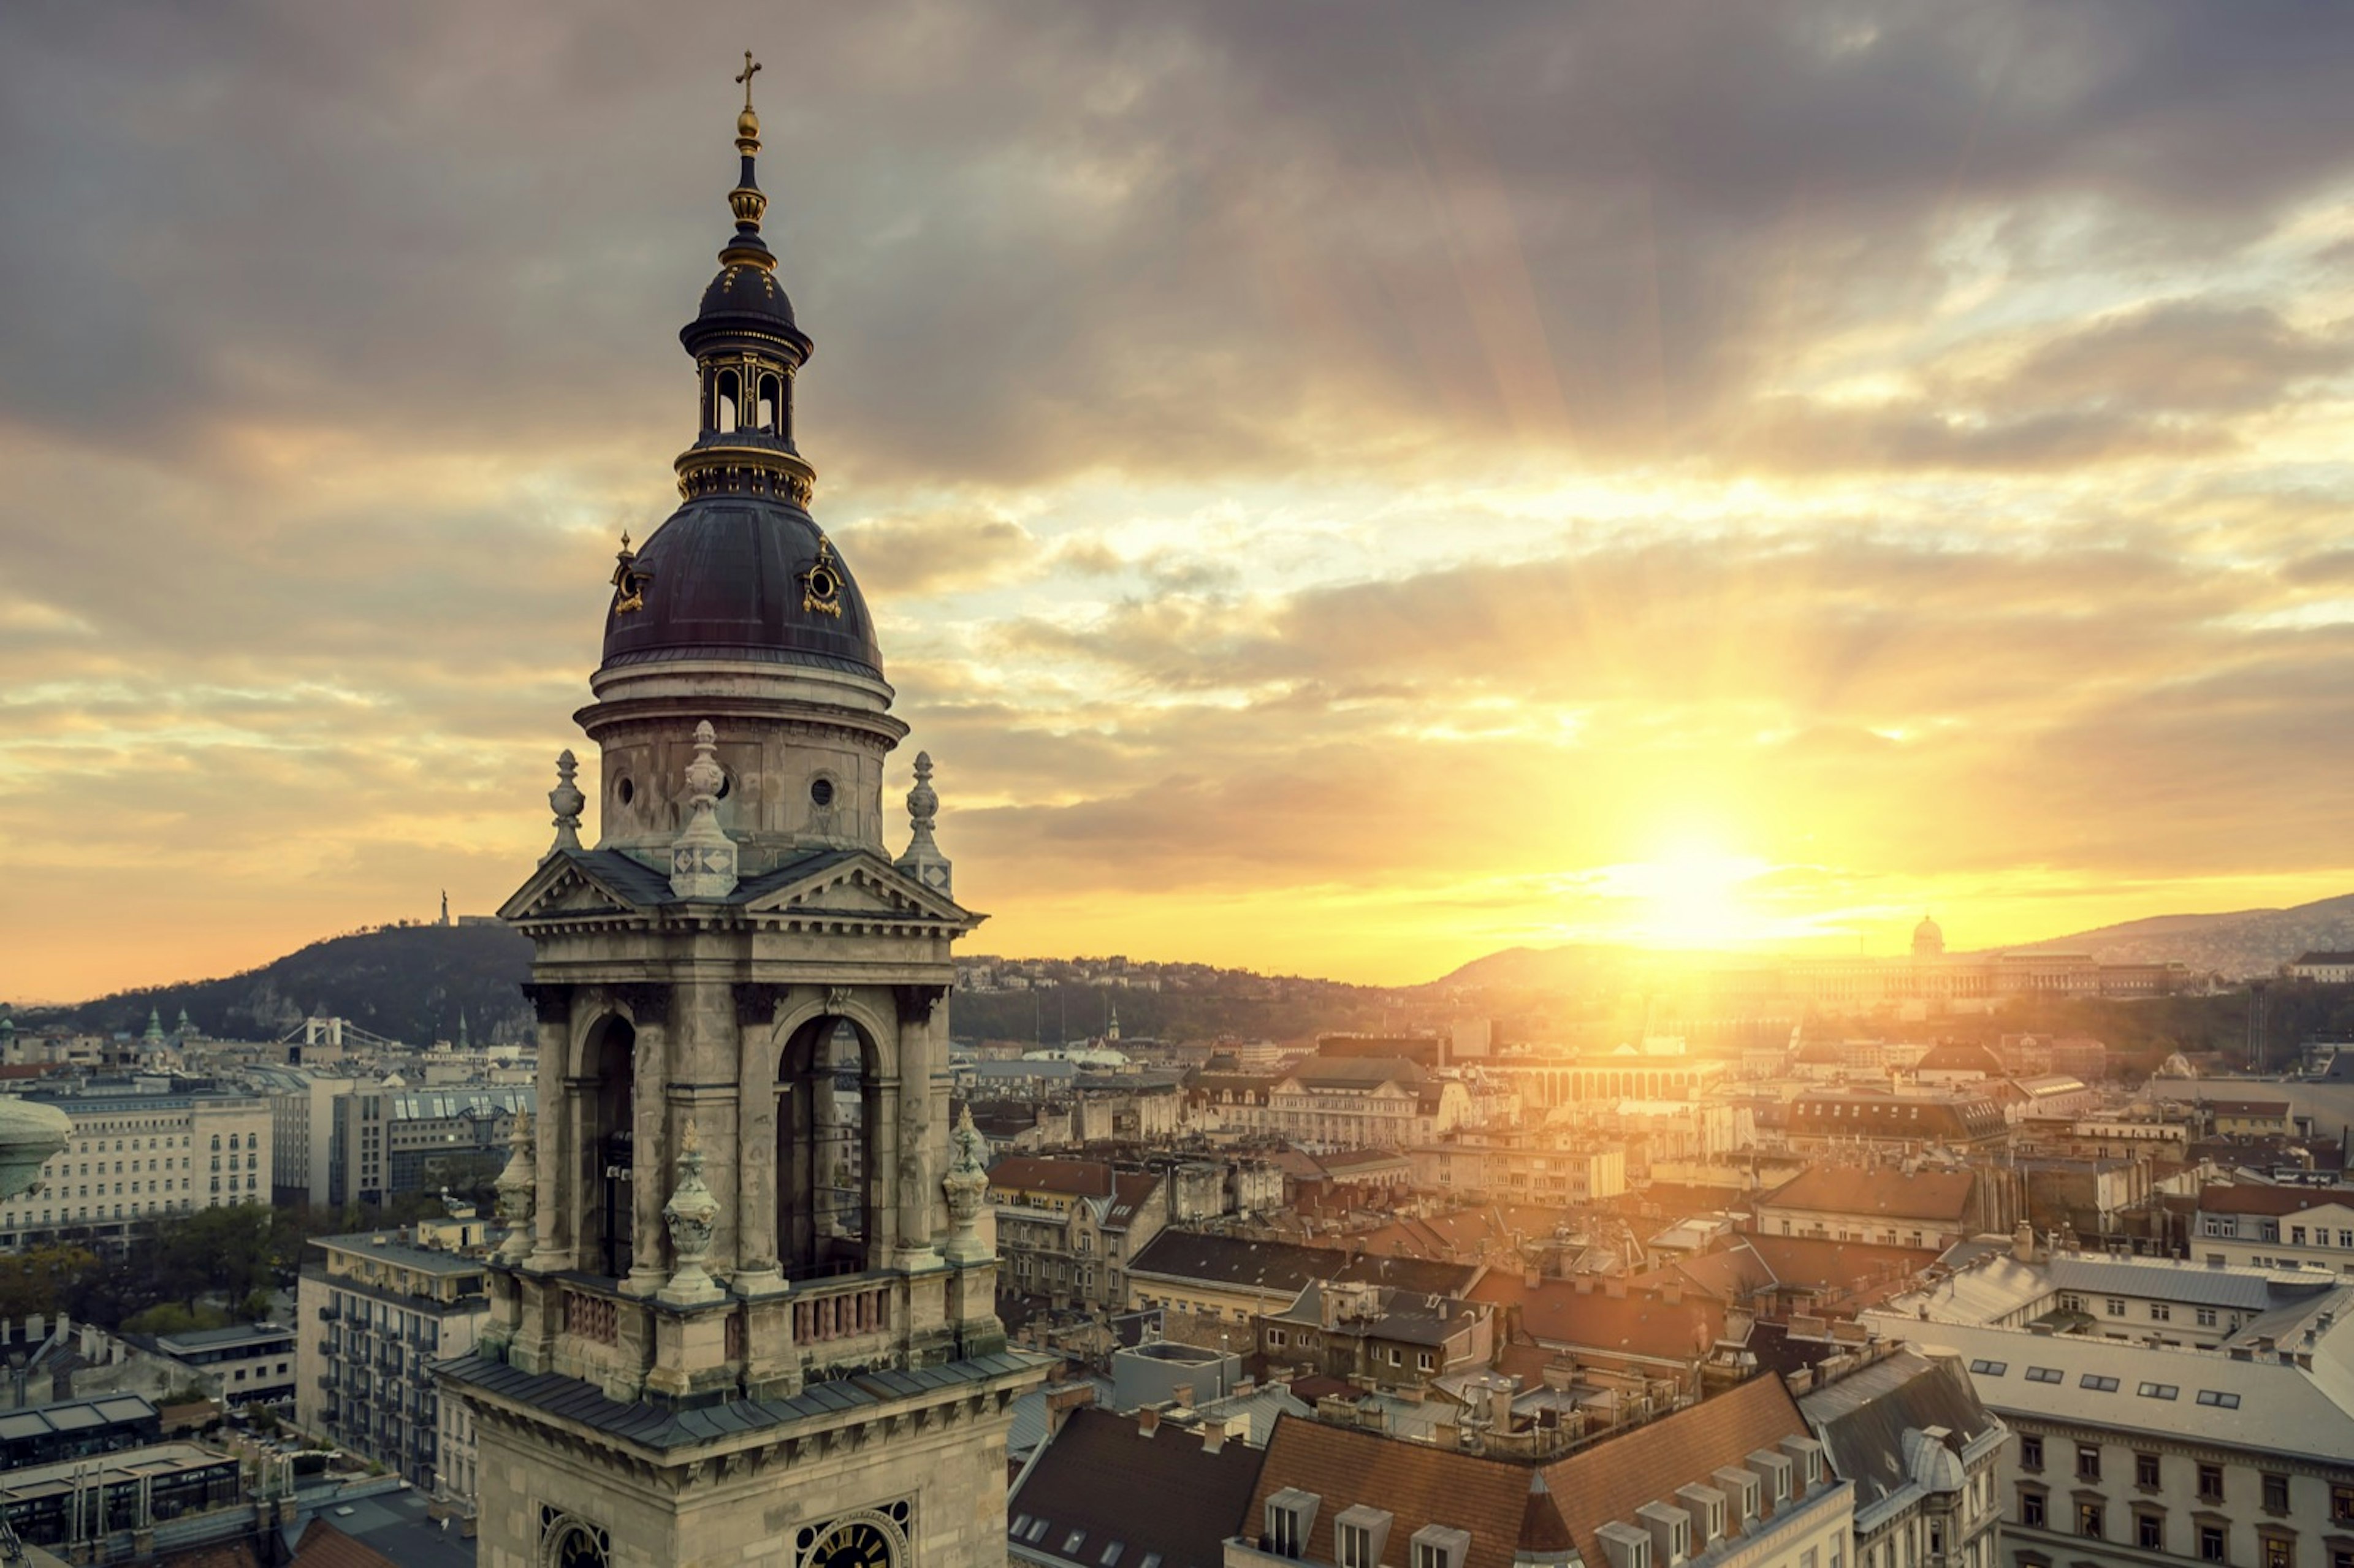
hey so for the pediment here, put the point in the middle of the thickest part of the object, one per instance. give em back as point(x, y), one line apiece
point(563, 886)
point(855, 885)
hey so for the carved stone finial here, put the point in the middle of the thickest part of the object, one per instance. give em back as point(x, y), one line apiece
point(924, 861)
point(691, 1215)
point(566, 802)
point(702, 858)
point(967, 1187)
point(517, 1185)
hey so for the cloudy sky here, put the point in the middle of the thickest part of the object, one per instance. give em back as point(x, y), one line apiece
point(1346, 487)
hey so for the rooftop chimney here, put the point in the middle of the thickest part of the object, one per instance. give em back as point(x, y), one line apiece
point(1148, 1420)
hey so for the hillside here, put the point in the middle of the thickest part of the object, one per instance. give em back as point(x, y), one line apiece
point(2245, 942)
point(406, 982)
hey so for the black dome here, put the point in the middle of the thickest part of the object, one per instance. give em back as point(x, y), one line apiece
point(728, 576)
point(742, 292)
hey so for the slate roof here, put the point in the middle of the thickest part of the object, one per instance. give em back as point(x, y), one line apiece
point(1891, 1194)
point(1861, 1418)
point(1130, 1495)
point(645, 888)
point(653, 1426)
point(1407, 1317)
point(1288, 1266)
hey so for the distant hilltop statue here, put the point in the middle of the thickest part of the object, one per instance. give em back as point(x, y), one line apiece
point(445, 906)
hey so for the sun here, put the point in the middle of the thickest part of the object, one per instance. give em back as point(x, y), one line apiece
point(1688, 895)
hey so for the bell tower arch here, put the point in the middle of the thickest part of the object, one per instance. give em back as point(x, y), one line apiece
point(742, 1297)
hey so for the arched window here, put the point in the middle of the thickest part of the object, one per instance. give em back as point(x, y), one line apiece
point(771, 405)
point(726, 401)
point(217, 1143)
point(232, 1143)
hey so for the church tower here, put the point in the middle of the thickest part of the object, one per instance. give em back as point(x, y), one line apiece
point(744, 1315)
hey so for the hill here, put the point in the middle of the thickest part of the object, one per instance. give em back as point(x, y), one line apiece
point(406, 982)
point(2243, 942)
point(2239, 944)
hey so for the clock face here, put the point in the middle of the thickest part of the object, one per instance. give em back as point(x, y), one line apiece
point(854, 1544)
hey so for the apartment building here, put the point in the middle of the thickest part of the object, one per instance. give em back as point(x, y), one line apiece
point(1068, 1229)
point(1924, 1452)
point(384, 1141)
point(2275, 1227)
point(134, 1157)
point(2132, 1452)
point(375, 1311)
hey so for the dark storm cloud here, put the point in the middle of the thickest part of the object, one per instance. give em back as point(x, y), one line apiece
point(1056, 235)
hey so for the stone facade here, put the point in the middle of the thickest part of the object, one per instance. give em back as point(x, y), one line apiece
point(747, 1318)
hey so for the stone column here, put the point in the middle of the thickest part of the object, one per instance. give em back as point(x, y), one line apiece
point(649, 1006)
point(917, 1165)
point(553, 1232)
point(758, 1269)
point(879, 1099)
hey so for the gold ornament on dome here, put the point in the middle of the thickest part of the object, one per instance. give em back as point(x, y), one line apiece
point(629, 581)
point(822, 582)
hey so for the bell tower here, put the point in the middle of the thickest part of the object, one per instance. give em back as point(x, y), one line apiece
point(743, 1313)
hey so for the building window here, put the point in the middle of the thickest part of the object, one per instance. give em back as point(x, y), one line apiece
point(2030, 1451)
point(2276, 1494)
point(2116, 1308)
point(2211, 1483)
point(2210, 1543)
point(2342, 1504)
point(2031, 1508)
point(2280, 1551)
point(1356, 1546)
point(1423, 1360)
point(2145, 1470)
point(2157, 1391)
point(2088, 1520)
point(2088, 1461)
point(1274, 1338)
point(2206, 1315)
point(2160, 1312)
point(2150, 1531)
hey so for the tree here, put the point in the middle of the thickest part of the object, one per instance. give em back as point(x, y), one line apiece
point(40, 1279)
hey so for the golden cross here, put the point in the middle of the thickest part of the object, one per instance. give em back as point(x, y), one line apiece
point(751, 69)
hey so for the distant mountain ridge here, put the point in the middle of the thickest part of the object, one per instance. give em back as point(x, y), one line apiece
point(408, 983)
point(2243, 943)
point(2239, 944)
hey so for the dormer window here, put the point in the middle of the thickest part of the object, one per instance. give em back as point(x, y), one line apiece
point(1290, 1515)
point(1438, 1546)
point(1359, 1533)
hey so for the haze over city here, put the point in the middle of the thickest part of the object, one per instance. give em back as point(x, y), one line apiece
point(1335, 500)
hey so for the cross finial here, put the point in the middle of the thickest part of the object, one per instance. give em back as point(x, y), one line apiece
point(751, 69)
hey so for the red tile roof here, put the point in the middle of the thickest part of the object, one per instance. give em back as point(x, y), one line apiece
point(1079, 1178)
point(1890, 1194)
point(1642, 1322)
point(324, 1546)
point(2250, 1199)
point(1510, 1507)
